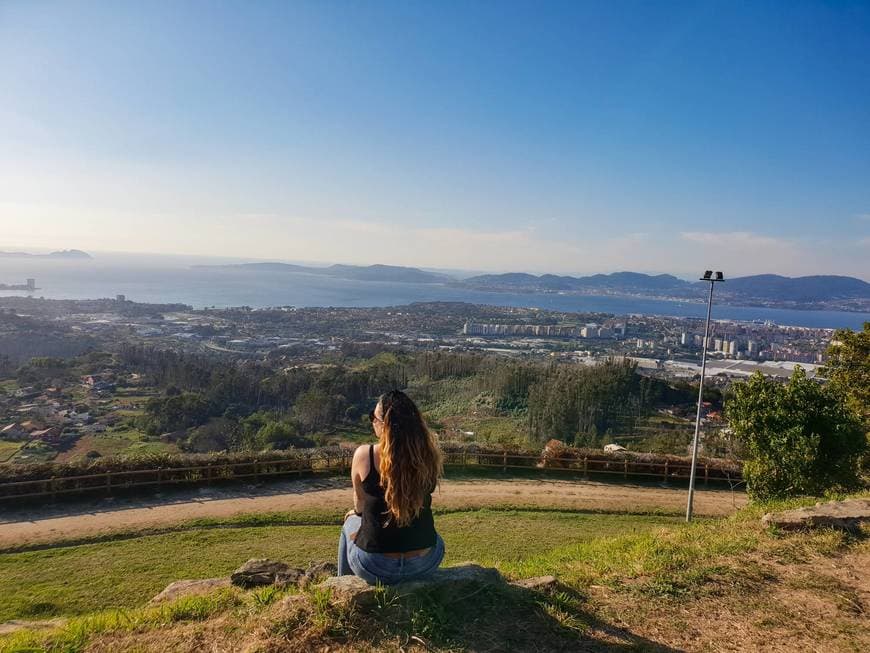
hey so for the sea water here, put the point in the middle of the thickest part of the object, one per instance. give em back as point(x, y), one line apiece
point(168, 279)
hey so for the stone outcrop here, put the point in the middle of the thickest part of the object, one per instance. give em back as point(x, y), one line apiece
point(451, 582)
point(317, 571)
point(182, 588)
point(845, 515)
point(257, 572)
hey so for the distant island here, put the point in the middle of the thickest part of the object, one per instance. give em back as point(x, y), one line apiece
point(389, 273)
point(771, 290)
point(63, 254)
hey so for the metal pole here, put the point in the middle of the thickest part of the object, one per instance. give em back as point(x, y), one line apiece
point(698, 415)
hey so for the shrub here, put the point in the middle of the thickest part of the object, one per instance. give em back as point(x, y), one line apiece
point(801, 437)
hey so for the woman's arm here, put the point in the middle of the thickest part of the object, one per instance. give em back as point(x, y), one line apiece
point(359, 469)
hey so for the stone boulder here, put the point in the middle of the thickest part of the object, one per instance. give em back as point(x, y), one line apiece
point(349, 590)
point(262, 571)
point(449, 582)
point(844, 515)
point(189, 588)
point(316, 572)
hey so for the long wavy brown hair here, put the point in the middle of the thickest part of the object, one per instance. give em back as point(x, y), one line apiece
point(410, 458)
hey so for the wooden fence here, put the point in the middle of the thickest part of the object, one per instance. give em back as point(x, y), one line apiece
point(319, 463)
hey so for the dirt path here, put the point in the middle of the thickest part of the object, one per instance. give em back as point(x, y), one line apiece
point(82, 520)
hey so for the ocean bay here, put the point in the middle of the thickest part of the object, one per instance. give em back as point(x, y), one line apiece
point(171, 280)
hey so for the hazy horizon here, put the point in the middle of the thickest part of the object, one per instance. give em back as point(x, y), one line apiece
point(564, 138)
point(113, 258)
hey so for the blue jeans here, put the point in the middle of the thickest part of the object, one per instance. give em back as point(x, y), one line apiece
point(376, 568)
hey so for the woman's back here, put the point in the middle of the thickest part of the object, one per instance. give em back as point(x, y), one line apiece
point(389, 537)
point(379, 533)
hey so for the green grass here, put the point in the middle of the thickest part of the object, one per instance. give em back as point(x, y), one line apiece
point(74, 635)
point(123, 441)
point(672, 561)
point(35, 452)
point(8, 449)
point(127, 573)
point(499, 429)
point(628, 575)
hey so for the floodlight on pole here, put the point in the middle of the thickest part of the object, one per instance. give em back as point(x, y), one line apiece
point(708, 276)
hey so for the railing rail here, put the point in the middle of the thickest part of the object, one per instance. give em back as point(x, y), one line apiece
point(319, 463)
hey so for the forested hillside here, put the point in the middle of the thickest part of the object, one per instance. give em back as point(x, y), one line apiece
point(251, 405)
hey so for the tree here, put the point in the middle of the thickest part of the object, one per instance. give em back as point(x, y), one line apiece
point(848, 368)
point(802, 438)
point(218, 434)
point(317, 409)
point(176, 412)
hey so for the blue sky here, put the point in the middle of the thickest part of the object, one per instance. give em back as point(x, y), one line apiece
point(564, 137)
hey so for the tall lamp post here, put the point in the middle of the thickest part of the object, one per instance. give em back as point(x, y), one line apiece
point(712, 278)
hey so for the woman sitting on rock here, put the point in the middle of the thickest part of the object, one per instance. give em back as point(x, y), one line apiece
point(390, 535)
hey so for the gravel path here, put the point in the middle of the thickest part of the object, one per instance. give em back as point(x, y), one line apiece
point(97, 517)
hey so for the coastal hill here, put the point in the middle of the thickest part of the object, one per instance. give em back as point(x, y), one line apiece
point(391, 273)
point(62, 254)
point(762, 288)
point(808, 289)
point(626, 282)
point(809, 292)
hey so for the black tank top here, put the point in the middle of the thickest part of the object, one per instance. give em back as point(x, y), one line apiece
point(376, 535)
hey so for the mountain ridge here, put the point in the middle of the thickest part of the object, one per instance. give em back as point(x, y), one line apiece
point(377, 272)
point(760, 287)
point(810, 291)
point(63, 253)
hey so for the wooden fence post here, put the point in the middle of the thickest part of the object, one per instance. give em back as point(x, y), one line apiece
point(665, 479)
point(109, 482)
point(706, 473)
point(625, 469)
point(585, 468)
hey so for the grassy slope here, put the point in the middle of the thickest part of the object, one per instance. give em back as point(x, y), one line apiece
point(722, 584)
point(126, 573)
point(8, 449)
point(113, 443)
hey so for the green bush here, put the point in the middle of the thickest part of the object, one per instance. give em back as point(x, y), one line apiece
point(802, 438)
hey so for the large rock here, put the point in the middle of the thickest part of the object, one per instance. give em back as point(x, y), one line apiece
point(349, 590)
point(449, 581)
point(189, 588)
point(316, 572)
point(845, 515)
point(262, 571)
